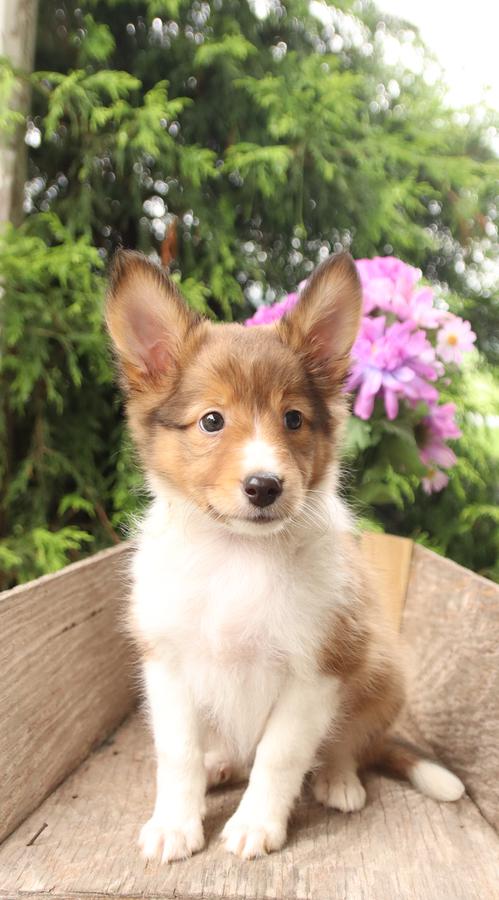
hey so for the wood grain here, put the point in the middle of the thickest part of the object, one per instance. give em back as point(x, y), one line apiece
point(65, 676)
point(451, 625)
point(402, 846)
point(65, 670)
point(389, 560)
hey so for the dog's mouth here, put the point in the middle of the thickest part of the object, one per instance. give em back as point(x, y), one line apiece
point(259, 520)
point(260, 515)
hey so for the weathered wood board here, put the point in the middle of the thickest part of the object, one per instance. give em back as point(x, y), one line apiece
point(65, 676)
point(402, 846)
point(451, 627)
point(389, 559)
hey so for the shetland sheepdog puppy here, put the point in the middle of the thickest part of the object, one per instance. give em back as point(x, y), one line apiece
point(265, 651)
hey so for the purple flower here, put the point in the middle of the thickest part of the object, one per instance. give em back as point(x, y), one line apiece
point(396, 361)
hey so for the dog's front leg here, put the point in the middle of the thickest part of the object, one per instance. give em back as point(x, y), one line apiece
point(175, 830)
point(296, 726)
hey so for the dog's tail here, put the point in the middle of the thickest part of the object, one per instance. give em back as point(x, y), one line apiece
point(397, 758)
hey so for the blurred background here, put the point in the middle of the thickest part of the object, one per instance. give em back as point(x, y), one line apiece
point(240, 142)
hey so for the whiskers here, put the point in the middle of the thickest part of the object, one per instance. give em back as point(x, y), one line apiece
point(215, 515)
point(313, 515)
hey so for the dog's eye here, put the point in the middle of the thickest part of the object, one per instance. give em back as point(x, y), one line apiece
point(293, 419)
point(212, 421)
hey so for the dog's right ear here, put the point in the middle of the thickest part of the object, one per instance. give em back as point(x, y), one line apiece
point(147, 319)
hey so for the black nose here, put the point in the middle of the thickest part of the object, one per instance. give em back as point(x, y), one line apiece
point(262, 490)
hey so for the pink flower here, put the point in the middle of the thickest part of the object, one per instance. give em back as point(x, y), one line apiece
point(392, 358)
point(403, 276)
point(454, 338)
point(441, 419)
point(421, 310)
point(434, 481)
point(435, 451)
point(437, 426)
point(395, 362)
point(265, 315)
point(387, 284)
point(376, 292)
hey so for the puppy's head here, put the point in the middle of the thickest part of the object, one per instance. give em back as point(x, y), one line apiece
point(242, 422)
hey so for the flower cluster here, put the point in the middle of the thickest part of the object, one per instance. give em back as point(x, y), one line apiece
point(402, 350)
point(267, 314)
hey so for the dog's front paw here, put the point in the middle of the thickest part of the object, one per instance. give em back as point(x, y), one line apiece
point(251, 839)
point(168, 842)
point(341, 790)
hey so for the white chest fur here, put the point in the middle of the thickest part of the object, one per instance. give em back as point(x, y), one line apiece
point(234, 615)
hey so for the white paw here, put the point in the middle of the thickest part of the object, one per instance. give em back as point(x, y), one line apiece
point(251, 839)
point(340, 790)
point(168, 842)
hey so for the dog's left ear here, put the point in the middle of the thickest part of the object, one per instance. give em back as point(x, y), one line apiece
point(324, 323)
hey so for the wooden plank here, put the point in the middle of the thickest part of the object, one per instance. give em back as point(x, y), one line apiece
point(402, 846)
point(389, 560)
point(451, 623)
point(65, 677)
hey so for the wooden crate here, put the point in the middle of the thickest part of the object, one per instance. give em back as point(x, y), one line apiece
point(76, 784)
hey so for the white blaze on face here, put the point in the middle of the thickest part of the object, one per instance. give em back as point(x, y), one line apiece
point(259, 456)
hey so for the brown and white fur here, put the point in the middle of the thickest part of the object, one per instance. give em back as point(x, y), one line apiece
point(265, 651)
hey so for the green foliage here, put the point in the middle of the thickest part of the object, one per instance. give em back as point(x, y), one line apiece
point(10, 118)
point(58, 417)
point(265, 166)
point(99, 42)
point(230, 47)
point(384, 473)
point(85, 102)
point(246, 148)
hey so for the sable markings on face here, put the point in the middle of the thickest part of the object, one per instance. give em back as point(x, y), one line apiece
point(180, 367)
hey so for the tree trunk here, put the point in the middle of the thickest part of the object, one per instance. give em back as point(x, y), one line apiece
point(18, 20)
